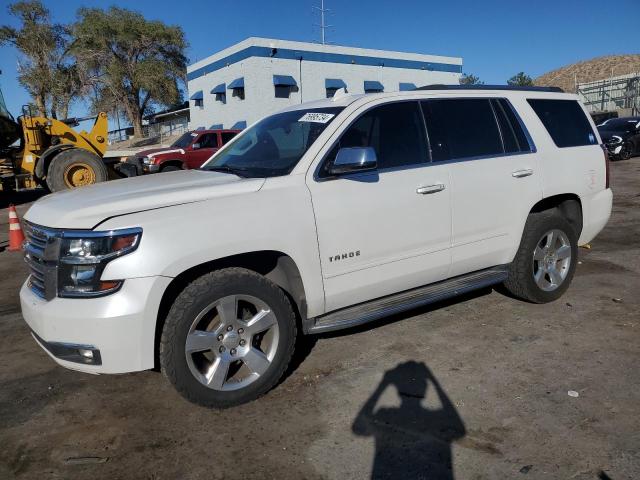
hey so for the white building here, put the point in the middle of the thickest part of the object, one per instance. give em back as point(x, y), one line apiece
point(240, 84)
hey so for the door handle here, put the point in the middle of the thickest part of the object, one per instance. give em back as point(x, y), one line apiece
point(427, 189)
point(522, 173)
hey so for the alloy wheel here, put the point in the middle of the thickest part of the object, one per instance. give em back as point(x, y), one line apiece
point(232, 342)
point(551, 260)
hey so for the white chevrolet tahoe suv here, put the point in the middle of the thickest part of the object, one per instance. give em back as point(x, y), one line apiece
point(324, 216)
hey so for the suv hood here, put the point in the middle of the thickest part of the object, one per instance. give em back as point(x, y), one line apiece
point(606, 135)
point(85, 207)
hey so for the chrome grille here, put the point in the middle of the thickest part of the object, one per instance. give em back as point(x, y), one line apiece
point(42, 278)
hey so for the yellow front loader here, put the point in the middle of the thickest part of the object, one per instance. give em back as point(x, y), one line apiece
point(53, 154)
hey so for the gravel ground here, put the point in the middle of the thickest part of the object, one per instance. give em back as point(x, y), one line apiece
point(481, 387)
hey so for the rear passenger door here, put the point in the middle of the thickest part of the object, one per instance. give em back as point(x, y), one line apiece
point(387, 230)
point(494, 177)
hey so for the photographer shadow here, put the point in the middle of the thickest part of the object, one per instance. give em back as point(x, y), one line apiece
point(410, 441)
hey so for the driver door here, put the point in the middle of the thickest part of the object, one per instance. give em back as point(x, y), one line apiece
point(201, 150)
point(386, 230)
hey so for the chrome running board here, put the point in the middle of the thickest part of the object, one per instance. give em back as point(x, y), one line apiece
point(407, 300)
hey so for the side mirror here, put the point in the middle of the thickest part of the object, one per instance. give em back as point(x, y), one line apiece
point(354, 159)
point(195, 146)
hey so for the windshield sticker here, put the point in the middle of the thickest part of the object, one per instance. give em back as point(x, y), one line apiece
point(316, 117)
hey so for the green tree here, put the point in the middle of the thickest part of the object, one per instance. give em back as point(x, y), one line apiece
point(44, 47)
point(470, 79)
point(521, 79)
point(131, 63)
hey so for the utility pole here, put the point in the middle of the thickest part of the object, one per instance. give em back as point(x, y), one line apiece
point(323, 26)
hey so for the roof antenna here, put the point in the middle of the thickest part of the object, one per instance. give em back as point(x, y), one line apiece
point(323, 26)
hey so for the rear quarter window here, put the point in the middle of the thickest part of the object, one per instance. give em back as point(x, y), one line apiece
point(565, 121)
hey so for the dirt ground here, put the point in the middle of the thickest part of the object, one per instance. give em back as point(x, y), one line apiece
point(494, 373)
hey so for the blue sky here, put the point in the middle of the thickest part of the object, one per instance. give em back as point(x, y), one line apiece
point(495, 38)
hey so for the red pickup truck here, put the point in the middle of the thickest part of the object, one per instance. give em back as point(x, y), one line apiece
point(191, 150)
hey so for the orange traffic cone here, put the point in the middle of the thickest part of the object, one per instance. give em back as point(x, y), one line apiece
point(16, 237)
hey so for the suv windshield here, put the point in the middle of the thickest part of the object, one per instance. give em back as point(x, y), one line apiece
point(185, 140)
point(273, 146)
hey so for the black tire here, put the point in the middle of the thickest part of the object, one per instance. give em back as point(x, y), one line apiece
point(196, 297)
point(521, 282)
point(170, 168)
point(60, 172)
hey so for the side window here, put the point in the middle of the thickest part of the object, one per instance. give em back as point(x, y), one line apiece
point(208, 140)
point(565, 121)
point(461, 128)
point(227, 136)
point(395, 131)
point(513, 136)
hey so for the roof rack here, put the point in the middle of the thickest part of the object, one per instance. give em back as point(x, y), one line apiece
point(491, 87)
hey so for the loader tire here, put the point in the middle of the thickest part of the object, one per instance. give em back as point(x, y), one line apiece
point(75, 167)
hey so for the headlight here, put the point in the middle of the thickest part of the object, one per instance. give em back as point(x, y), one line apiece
point(83, 257)
point(147, 160)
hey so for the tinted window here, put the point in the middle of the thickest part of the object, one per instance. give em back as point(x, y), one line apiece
point(461, 128)
point(513, 136)
point(208, 140)
point(185, 140)
point(523, 139)
point(226, 136)
point(395, 131)
point(565, 121)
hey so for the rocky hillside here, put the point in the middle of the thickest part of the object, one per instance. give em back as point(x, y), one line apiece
point(597, 68)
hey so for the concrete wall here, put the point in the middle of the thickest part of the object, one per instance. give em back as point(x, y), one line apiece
point(310, 76)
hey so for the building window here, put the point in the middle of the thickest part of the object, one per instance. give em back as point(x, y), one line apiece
point(406, 86)
point(220, 92)
point(283, 85)
point(198, 99)
point(237, 88)
point(372, 86)
point(332, 85)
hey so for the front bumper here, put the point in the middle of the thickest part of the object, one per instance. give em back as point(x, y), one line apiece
point(134, 166)
point(614, 148)
point(120, 327)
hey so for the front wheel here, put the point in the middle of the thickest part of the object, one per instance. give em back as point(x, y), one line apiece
point(545, 262)
point(228, 338)
point(74, 168)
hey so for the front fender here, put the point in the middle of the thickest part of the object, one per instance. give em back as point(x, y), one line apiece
point(181, 237)
point(42, 165)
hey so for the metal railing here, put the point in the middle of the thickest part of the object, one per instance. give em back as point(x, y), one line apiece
point(621, 93)
point(154, 133)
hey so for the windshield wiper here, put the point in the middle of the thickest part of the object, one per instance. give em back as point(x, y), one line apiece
point(240, 172)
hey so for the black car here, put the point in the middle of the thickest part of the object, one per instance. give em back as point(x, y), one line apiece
point(621, 136)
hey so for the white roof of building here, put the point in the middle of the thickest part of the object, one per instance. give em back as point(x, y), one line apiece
point(269, 47)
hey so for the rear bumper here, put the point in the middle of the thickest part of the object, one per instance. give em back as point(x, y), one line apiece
point(119, 329)
point(596, 211)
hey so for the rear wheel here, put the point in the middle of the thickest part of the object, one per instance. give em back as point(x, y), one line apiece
point(228, 338)
point(75, 167)
point(545, 262)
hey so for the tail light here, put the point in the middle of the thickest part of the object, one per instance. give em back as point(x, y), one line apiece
point(606, 166)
